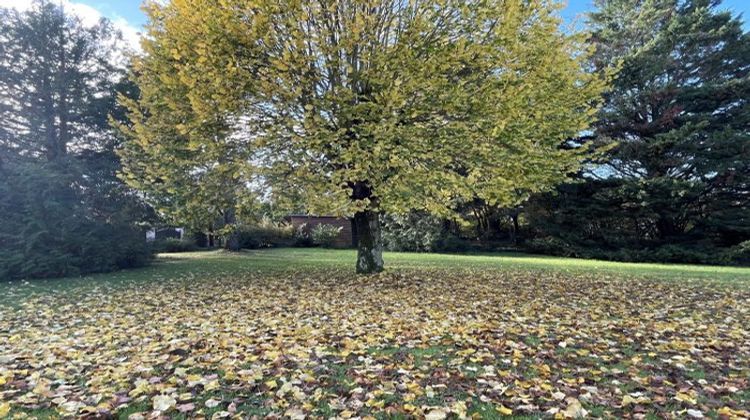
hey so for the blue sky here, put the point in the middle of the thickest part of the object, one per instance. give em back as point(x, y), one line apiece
point(130, 9)
point(128, 12)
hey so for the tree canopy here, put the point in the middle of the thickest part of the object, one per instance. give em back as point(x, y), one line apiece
point(56, 79)
point(362, 106)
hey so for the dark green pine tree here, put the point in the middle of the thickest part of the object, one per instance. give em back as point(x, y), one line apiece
point(678, 111)
point(64, 209)
point(56, 79)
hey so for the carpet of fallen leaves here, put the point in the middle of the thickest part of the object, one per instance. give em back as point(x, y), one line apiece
point(411, 344)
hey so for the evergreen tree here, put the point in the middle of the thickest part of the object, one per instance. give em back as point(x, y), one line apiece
point(679, 114)
point(56, 76)
point(65, 211)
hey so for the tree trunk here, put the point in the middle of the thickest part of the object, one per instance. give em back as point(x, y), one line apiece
point(369, 243)
point(52, 145)
point(210, 236)
point(515, 228)
point(63, 132)
point(232, 242)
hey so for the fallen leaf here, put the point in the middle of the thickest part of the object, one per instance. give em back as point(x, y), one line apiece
point(696, 414)
point(295, 414)
point(504, 410)
point(184, 408)
point(685, 397)
point(163, 402)
point(574, 409)
point(437, 414)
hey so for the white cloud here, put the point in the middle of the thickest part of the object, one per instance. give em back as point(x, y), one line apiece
point(18, 4)
point(89, 16)
point(130, 34)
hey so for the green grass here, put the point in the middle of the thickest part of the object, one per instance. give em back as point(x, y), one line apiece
point(275, 259)
point(506, 309)
point(220, 263)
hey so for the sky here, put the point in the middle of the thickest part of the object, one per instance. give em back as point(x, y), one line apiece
point(128, 17)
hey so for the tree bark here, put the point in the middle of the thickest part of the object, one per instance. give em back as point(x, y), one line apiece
point(369, 243)
point(515, 228)
point(232, 242)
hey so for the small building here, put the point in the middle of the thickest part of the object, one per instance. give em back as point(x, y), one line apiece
point(157, 234)
point(346, 238)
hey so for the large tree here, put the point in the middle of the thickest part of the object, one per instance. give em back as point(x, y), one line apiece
point(676, 186)
point(64, 209)
point(365, 106)
point(56, 80)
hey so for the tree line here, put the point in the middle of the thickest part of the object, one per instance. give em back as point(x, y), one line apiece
point(674, 182)
point(465, 121)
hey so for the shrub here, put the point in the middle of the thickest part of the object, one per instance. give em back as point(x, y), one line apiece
point(302, 236)
point(551, 245)
point(684, 254)
point(449, 242)
point(265, 234)
point(52, 228)
point(325, 235)
point(739, 254)
point(200, 239)
point(175, 245)
point(414, 232)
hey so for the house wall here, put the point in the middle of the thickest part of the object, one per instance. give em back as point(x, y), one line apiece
point(345, 238)
point(164, 233)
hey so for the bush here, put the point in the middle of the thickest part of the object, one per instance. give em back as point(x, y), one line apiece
point(694, 253)
point(413, 232)
point(302, 237)
point(265, 234)
point(739, 254)
point(200, 239)
point(325, 235)
point(175, 245)
point(449, 242)
point(684, 254)
point(52, 228)
point(551, 245)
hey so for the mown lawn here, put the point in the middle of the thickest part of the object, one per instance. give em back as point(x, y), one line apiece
point(294, 333)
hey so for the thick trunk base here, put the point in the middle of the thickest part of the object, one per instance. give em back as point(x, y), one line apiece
point(233, 239)
point(369, 243)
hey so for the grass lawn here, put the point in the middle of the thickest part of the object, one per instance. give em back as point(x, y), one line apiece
point(294, 333)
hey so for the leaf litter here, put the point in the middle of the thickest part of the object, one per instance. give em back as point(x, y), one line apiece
point(430, 343)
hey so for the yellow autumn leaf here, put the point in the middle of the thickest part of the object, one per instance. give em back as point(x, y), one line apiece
point(504, 410)
point(684, 397)
point(627, 399)
point(372, 402)
point(574, 409)
point(436, 414)
point(163, 402)
point(4, 409)
point(212, 385)
point(409, 407)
